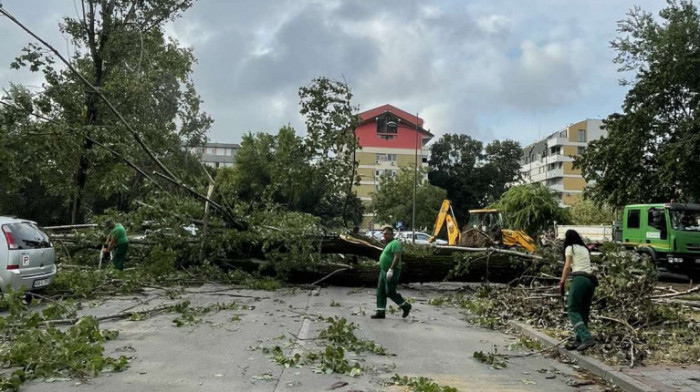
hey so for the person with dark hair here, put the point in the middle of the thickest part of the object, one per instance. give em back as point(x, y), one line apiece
point(583, 283)
point(117, 241)
point(389, 272)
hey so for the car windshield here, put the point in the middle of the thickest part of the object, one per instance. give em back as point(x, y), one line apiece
point(685, 220)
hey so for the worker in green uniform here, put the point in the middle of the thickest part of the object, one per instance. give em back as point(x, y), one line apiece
point(117, 241)
point(583, 283)
point(389, 272)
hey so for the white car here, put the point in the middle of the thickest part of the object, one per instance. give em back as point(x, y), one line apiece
point(421, 238)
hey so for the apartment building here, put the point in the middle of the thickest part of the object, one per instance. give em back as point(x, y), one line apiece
point(217, 154)
point(550, 161)
point(389, 139)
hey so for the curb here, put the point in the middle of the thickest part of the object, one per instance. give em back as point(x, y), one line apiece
point(622, 380)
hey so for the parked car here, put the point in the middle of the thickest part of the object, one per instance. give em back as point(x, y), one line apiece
point(421, 238)
point(27, 257)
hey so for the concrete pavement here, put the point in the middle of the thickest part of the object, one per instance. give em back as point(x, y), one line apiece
point(223, 352)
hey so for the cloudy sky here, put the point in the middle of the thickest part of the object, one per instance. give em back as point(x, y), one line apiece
point(492, 69)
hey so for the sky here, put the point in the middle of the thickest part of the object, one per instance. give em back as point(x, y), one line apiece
point(506, 69)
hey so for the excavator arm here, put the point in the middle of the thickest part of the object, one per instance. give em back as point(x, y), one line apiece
point(446, 217)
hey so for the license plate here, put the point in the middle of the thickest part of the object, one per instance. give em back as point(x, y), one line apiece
point(41, 283)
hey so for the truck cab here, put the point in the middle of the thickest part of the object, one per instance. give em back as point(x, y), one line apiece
point(667, 233)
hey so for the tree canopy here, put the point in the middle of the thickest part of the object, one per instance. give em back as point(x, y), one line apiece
point(531, 208)
point(393, 201)
point(312, 174)
point(650, 153)
point(472, 175)
point(121, 50)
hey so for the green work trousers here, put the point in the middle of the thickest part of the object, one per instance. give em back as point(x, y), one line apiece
point(120, 252)
point(387, 288)
point(579, 306)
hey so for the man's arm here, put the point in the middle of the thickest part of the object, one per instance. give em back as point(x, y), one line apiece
point(110, 242)
point(397, 257)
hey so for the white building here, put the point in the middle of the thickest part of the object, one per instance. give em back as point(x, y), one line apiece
point(550, 161)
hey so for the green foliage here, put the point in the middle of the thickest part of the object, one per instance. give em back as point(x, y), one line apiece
point(526, 343)
point(39, 351)
point(585, 212)
point(420, 384)
point(312, 174)
point(627, 281)
point(122, 50)
point(495, 360)
point(394, 199)
point(531, 208)
point(192, 315)
point(341, 332)
point(473, 176)
point(278, 357)
point(281, 170)
point(650, 153)
point(332, 360)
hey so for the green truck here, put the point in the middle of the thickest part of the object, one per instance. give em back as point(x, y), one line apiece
point(668, 234)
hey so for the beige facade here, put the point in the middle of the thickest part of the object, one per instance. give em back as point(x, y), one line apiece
point(374, 162)
point(550, 161)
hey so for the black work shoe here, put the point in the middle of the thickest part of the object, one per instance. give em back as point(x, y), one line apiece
point(572, 345)
point(585, 345)
point(378, 315)
point(406, 310)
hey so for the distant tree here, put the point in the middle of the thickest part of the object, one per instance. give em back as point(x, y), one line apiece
point(502, 166)
point(531, 208)
point(585, 212)
point(473, 176)
point(393, 201)
point(652, 148)
point(277, 170)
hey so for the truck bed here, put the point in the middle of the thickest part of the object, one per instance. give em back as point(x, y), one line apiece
point(593, 233)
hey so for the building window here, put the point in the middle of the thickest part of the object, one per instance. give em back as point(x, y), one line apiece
point(581, 149)
point(387, 123)
point(563, 133)
point(211, 150)
point(581, 135)
point(555, 150)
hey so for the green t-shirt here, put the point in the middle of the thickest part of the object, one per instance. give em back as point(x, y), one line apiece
point(387, 257)
point(119, 234)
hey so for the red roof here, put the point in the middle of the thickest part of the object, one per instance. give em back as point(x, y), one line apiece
point(371, 114)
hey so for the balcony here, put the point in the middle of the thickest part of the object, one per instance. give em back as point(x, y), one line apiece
point(556, 187)
point(556, 141)
point(555, 173)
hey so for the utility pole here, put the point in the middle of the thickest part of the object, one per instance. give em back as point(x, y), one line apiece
point(415, 185)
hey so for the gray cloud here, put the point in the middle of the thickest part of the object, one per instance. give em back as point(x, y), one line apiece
point(512, 69)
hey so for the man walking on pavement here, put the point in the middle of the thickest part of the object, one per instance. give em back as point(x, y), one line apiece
point(389, 272)
point(117, 241)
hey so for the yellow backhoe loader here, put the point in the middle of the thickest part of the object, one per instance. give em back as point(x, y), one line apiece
point(485, 228)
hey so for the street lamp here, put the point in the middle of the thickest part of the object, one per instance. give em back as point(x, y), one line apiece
point(415, 184)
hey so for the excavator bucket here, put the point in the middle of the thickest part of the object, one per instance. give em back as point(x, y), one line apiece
point(518, 238)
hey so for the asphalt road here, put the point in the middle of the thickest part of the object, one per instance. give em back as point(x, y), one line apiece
point(224, 351)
